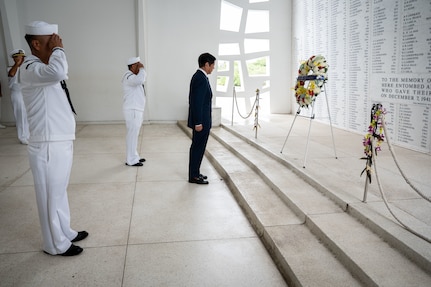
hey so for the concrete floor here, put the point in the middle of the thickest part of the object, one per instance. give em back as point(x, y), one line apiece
point(148, 226)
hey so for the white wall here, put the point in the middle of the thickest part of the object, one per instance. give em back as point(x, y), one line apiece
point(98, 37)
point(9, 35)
point(178, 32)
point(377, 52)
point(169, 35)
point(281, 61)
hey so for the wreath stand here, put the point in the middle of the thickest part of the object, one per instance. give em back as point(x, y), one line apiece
point(311, 117)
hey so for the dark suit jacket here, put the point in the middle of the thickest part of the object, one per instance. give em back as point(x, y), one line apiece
point(200, 97)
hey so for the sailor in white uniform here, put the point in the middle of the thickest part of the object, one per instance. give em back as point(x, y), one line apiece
point(133, 108)
point(19, 112)
point(52, 131)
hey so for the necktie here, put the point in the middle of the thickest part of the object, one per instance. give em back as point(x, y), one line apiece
point(209, 87)
point(66, 90)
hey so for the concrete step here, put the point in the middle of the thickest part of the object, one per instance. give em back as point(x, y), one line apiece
point(278, 199)
point(365, 253)
point(292, 189)
point(316, 208)
point(381, 223)
point(282, 229)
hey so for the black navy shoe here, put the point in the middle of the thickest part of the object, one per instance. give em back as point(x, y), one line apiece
point(136, 164)
point(72, 251)
point(198, 180)
point(81, 235)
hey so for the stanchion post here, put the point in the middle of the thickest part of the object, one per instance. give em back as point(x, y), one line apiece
point(366, 175)
point(256, 115)
point(233, 105)
point(364, 200)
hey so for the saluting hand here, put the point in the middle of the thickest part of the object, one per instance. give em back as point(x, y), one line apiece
point(18, 60)
point(55, 41)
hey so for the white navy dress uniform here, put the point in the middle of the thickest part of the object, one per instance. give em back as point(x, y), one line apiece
point(134, 100)
point(18, 103)
point(50, 149)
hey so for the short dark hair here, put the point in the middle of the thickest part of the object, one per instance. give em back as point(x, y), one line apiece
point(206, 58)
point(28, 39)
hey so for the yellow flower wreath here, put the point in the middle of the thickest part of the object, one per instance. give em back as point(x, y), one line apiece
point(319, 68)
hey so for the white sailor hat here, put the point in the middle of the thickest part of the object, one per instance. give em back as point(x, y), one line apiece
point(17, 52)
point(41, 28)
point(133, 60)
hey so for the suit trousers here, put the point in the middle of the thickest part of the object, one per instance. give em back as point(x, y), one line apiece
point(134, 119)
point(197, 151)
point(51, 163)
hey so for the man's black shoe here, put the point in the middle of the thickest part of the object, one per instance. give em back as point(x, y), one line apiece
point(203, 176)
point(142, 160)
point(72, 251)
point(198, 180)
point(81, 235)
point(136, 164)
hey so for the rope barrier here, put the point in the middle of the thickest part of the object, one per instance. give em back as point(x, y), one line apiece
point(237, 108)
point(399, 167)
point(389, 208)
point(378, 119)
point(255, 106)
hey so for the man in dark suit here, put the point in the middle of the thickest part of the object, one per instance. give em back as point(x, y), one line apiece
point(199, 120)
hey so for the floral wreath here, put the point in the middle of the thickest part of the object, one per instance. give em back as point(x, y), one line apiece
point(375, 131)
point(319, 68)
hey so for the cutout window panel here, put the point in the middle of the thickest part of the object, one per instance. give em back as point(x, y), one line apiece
point(222, 83)
point(257, 21)
point(256, 45)
point(230, 17)
point(223, 66)
point(258, 67)
point(228, 49)
point(238, 76)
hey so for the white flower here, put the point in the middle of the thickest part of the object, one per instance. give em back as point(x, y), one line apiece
point(318, 66)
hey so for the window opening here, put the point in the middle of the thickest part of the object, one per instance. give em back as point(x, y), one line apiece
point(228, 49)
point(258, 67)
point(230, 17)
point(256, 45)
point(238, 76)
point(257, 21)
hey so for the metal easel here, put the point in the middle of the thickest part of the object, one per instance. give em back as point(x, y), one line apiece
point(311, 117)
